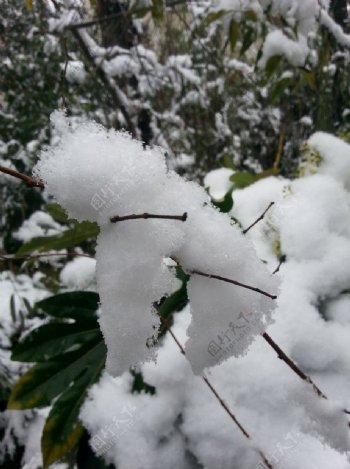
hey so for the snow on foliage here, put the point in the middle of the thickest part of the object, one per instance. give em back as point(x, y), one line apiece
point(97, 174)
point(309, 224)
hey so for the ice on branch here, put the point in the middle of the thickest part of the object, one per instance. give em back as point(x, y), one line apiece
point(96, 174)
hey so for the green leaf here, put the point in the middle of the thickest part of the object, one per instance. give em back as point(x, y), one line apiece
point(272, 65)
point(279, 88)
point(251, 15)
point(141, 12)
point(28, 4)
point(309, 78)
point(157, 9)
point(79, 305)
point(212, 17)
point(176, 301)
point(242, 179)
point(13, 308)
point(227, 161)
point(248, 39)
point(62, 429)
point(45, 381)
point(53, 339)
point(69, 238)
point(226, 204)
point(139, 385)
point(233, 34)
point(57, 212)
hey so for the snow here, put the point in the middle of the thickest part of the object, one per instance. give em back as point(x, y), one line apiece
point(218, 182)
point(79, 274)
point(38, 224)
point(182, 425)
point(277, 43)
point(335, 155)
point(75, 72)
point(95, 175)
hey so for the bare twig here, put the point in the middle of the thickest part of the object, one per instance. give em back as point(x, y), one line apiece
point(216, 394)
point(31, 182)
point(282, 260)
point(235, 282)
point(283, 356)
point(145, 216)
point(258, 219)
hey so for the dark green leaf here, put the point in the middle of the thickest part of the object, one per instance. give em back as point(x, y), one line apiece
point(226, 204)
point(38, 386)
point(53, 339)
point(212, 17)
point(272, 65)
point(280, 87)
point(248, 39)
point(57, 212)
point(13, 308)
point(80, 305)
point(309, 78)
point(157, 9)
point(62, 429)
point(251, 15)
point(234, 34)
point(139, 385)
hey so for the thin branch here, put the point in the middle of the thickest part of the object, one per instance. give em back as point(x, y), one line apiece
point(282, 260)
point(235, 282)
point(283, 356)
point(258, 219)
point(31, 182)
point(215, 393)
point(145, 216)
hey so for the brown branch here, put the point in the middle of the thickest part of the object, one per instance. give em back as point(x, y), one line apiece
point(258, 219)
point(31, 182)
point(235, 282)
point(283, 356)
point(145, 216)
point(215, 393)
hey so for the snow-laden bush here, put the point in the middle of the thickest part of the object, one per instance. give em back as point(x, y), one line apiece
point(89, 172)
point(97, 175)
